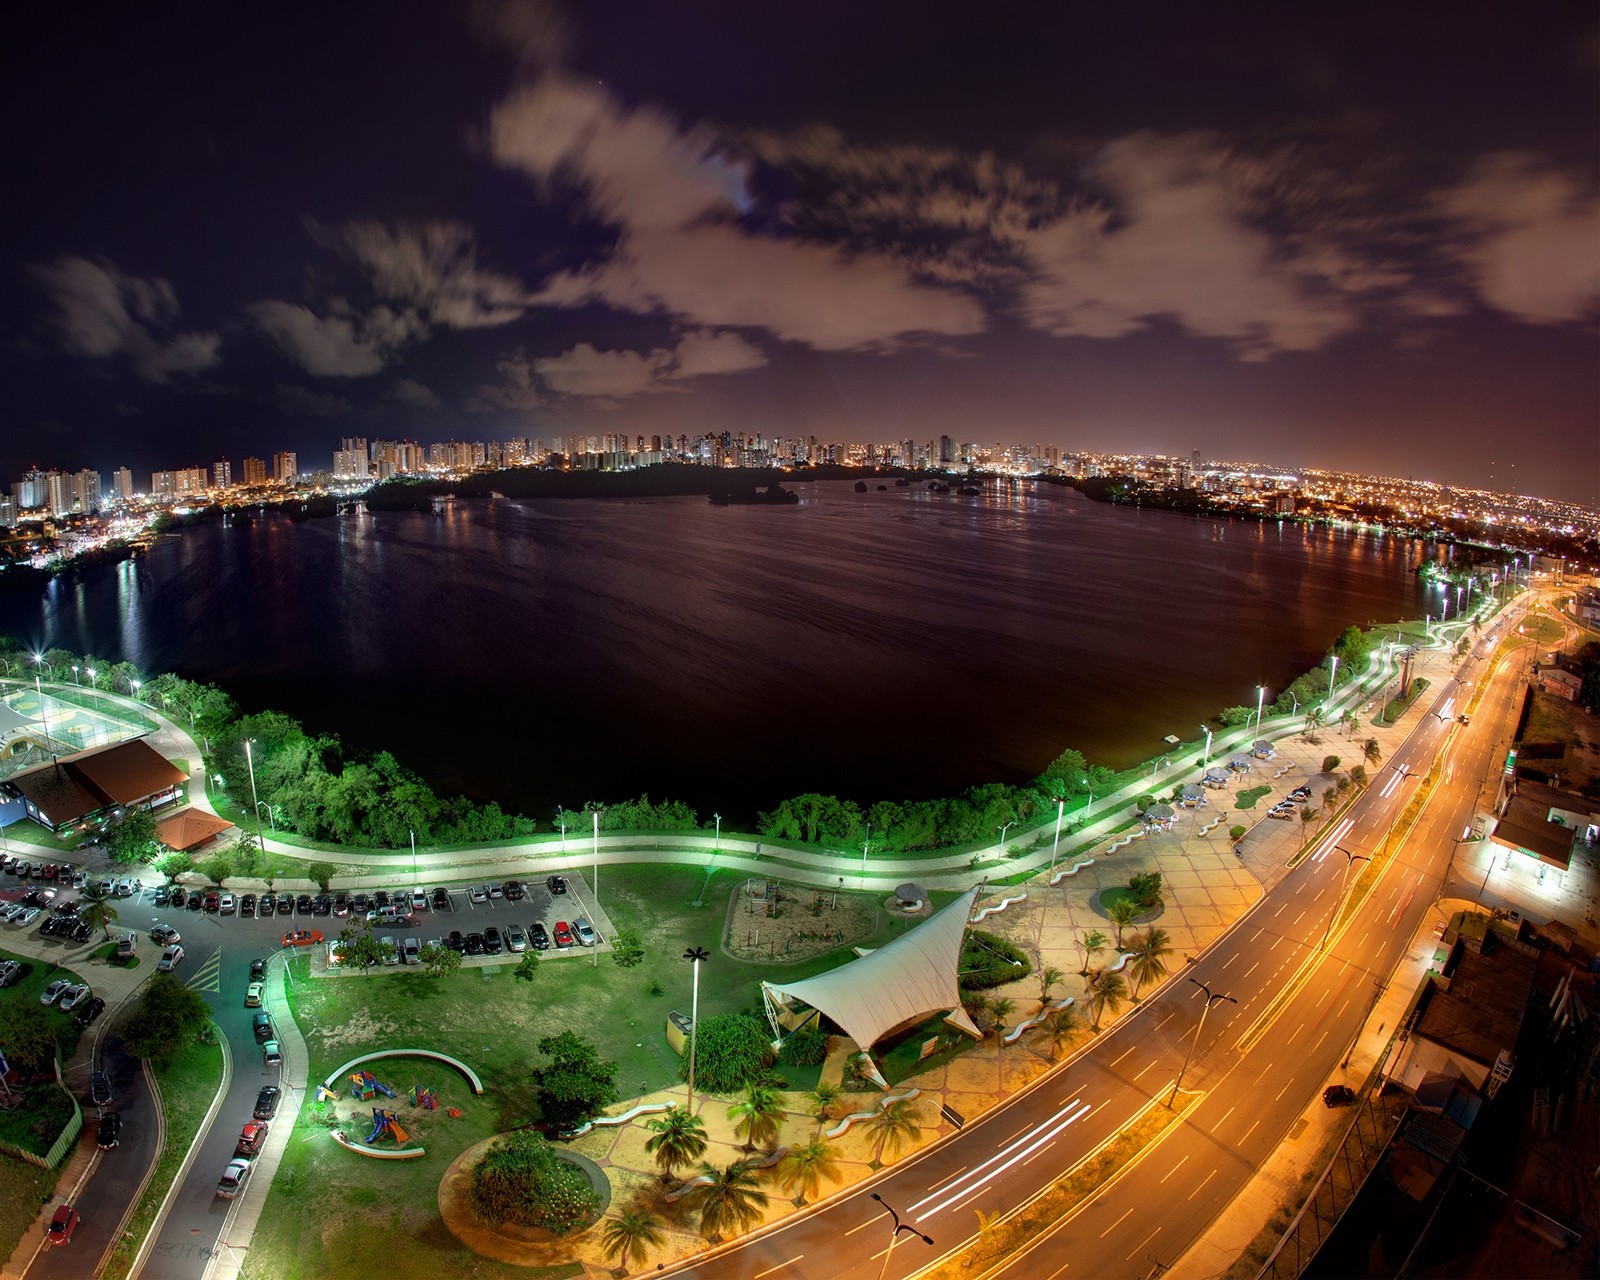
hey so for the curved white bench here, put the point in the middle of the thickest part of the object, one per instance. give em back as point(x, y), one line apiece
point(462, 1067)
point(854, 1116)
point(1001, 906)
point(1028, 1024)
point(643, 1109)
point(377, 1153)
point(1071, 871)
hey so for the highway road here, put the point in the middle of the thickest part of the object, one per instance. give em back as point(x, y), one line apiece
point(1257, 1076)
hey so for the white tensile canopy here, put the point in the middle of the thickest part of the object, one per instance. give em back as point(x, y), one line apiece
point(894, 986)
point(11, 720)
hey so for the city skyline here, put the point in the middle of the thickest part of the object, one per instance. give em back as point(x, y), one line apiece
point(1365, 243)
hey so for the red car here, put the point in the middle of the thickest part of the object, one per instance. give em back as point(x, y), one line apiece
point(563, 934)
point(251, 1137)
point(302, 937)
point(62, 1225)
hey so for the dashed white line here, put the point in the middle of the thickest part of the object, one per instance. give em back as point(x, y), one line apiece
point(1173, 1170)
point(1252, 969)
point(780, 1267)
point(1224, 1119)
point(1202, 1185)
point(1116, 1224)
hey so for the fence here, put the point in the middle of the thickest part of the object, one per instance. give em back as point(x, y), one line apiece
point(63, 1143)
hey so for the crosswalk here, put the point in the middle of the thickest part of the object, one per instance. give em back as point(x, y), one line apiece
point(208, 974)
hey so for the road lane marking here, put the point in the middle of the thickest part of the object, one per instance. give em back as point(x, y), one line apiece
point(1299, 918)
point(951, 1178)
point(1202, 1185)
point(1173, 1170)
point(1252, 969)
point(1124, 1054)
point(1166, 1020)
point(1318, 1044)
point(866, 1224)
point(1117, 1223)
point(1145, 1068)
point(1252, 1129)
point(770, 1270)
point(1222, 1121)
point(1139, 1248)
point(979, 1182)
point(1228, 961)
point(1279, 1098)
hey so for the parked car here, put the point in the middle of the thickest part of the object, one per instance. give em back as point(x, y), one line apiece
point(474, 944)
point(264, 907)
point(262, 1024)
point(108, 1131)
point(10, 973)
point(1302, 792)
point(267, 1102)
point(252, 996)
point(258, 970)
point(563, 935)
point(285, 904)
point(585, 932)
point(100, 1089)
point(515, 891)
point(81, 931)
point(419, 900)
point(479, 893)
point(196, 899)
point(391, 949)
point(252, 1137)
point(456, 941)
point(55, 991)
point(26, 918)
point(539, 936)
point(341, 904)
point(410, 950)
point(493, 944)
point(127, 946)
point(170, 959)
point(302, 938)
point(322, 905)
point(556, 884)
point(62, 1225)
point(163, 934)
point(359, 904)
point(272, 1054)
point(247, 906)
point(124, 888)
point(441, 899)
point(80, 879)
point(73, 996)
point(516, 939)
point(1338, 1095)
point(234, 1178)
point(302, 904)
point(89, 1012)
point(213, 902)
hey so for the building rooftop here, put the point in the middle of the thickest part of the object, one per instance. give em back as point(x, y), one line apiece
point(1480, 1013)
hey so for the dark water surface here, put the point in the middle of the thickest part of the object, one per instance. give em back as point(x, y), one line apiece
point(879, 645)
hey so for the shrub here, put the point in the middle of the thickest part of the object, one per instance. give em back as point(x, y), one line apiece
point(807, 1047)
point(1145, 889)
point(732, 1050)
point(988, 960)
point(1236, 833)
point(627, 949)
point(520, 1179)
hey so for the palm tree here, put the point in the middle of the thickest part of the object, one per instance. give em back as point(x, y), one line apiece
point(1107, 995)
point(1049, 976)
point(680, 1139)
point(627, 1235)
point(1091, 943)
point(978, 1007)
point(1373, 751)
point(732, 1201)
point(1000, 1010)
point(1121, 913)
point(759, 1118)
point(1352, 721)
point(894, 1125)
point(95, 909)
point(1150, 958)
point(824, 1098)
point(805, 1167)
point(1058, 1028)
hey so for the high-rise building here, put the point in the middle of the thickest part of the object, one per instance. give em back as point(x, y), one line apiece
point(122, 485)
point(32, 491)
point(946, 450)
point(192, 481)
point(222, 474)
point(86, 491)
point(60, 494)
point(255, 471)
point(164, 484)
point(350, 460)
point(285, 466)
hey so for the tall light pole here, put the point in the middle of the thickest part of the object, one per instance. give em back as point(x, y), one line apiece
point(1261, 701)
point(89, 671)
point(75, 675)
point(1003, 828)
point(1088, 809)
point(1206, 729)
point(694, 955)
point(1061, 808)
point(409, 832)
point(716, 839)
point(135, 685)
point(894, 1236)
point(1350, 860)
point(251, 765)
point(1199, 1031)
point(595, 950)
point(866, 844)
point(1333, 670)
point(561, 821)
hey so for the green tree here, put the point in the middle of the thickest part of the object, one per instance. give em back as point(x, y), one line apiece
point(680, 1139)
point(1000, 1009)
point(732, 1050)
point(807, 1047)
point(1149, 963)
point(1372, 751)
point(892, 1126)
point(1049, 977)
point(627, 1235)
point(1330, 764)
point(440, 961)
point(521, 1180)
point(216, 867)
point(246, 854)
point(1121, 913)
point(360, 947)
point(627, 948)
point(1106, 996)
point(173, 865)
point(1058, 1029)
point(321, 874)
point(824, 1099)
point(802, 1169)
point(1146, 889)
point(1235, 717)
point(732, 1201)
point(1069, 768)
point(132, 838)
point(1091, 944)
point(758, 1117)
point(576, 1084)
point(1358, 775)
point(166, 1015)
point(1352, 722)
point(28, 1037)
point(528, 967)
point(95, 909)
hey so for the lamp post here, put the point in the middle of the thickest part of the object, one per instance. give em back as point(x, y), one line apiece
point(1261, 701)
point(1206, 729)
point(561, 821)
point(262, 804)
point(135, 686)
point(75, 675)
point(595, 872)
point(866, 844)
point(1088, 809)
point(1350, 860)
point(89, 671)
point(716, 839)
point(894, 1235)
point(250, 763)
point(195, 1231)
point(409, 832)
point(694, 955)
point(1003, 828)
point(1333, 670)
point(1199, 1031)
point(1061, 808)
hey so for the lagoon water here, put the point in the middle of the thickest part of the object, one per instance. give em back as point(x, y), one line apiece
point(877, 645)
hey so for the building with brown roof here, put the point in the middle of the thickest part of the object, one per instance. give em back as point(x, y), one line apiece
point(1467, 1021)
point(77, 789)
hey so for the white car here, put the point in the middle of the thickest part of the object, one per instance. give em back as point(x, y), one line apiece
point(227, 905)
point(170, 959)
point(123, 889)
point(73, 996)
point(11, 911)
point(272, 1054)
point(28, 916)
point(479, 893)
point(55, 991)
point(234, 1178)
point(252, 996)
point(391, 949)
point(163, 934)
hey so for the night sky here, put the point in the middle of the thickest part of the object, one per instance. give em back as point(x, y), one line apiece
point(1361, 236)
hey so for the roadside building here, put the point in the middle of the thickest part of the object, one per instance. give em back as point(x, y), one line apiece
point(1538, 821)
point(79, 789)
point(1561, 682)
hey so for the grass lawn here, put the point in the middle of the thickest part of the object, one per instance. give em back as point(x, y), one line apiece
point(1247, 798)
point(187, 1088)
point(328, 1208)
point(23, 1189)
point(36, 976)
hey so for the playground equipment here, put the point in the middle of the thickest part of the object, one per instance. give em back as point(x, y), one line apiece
point(368, 1086)
point(386, 1122)
point(424, 1097)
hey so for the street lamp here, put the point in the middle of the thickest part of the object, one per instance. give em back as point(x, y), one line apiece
point(561, 821)
point(195, 1231)
point(75, 675)
point(1206, 729)
point(894, 1236)
point(251, 765)
point(1088, 809)
point(135, 685)
point(1333, 670)
point(1199, 1031)
point(44, 714)
point(1261, 699)
point(1061, 808)
point(595, 950)
point(89, 671)
point(409, 832)
point(1002, 829)
point(262, 804)
point(1350, 859)
point(866, 844)
point(716, 840)
point(694, 955)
